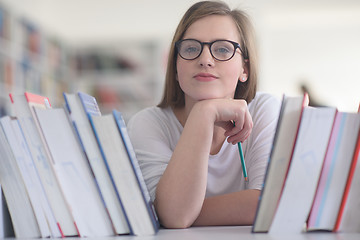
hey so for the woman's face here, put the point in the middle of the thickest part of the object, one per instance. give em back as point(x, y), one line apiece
point(205, 77)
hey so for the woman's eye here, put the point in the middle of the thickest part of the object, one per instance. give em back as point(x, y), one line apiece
point(222, 50)
point(191, 49)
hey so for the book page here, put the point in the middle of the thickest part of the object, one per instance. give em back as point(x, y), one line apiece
point(304, 172)
point(280, 157)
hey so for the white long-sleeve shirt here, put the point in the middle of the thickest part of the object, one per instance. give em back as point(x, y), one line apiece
point(154, 133)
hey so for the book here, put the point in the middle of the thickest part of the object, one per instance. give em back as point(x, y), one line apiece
point(30, 178)
point(135, 165)
point(334, 173)
point(35, 179)
point(348, 220)
point(125, 173)
point(348, 217)
point(22, 215)
point(304, 171)
point(78, 108)
point(73, 173)
point(279, 161)
point(23, 106)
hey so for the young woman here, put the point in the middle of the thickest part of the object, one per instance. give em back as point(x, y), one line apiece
point(187, 145)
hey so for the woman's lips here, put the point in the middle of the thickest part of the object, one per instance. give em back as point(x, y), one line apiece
point(205, 77)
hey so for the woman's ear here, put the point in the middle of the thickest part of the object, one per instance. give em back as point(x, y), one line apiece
point(245, 73)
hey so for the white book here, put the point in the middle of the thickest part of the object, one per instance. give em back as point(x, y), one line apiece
point(20, 209)
point(74, 174)
point(77, 112)
point(334, 173)
point(36, 181)
point(303, 175)
point(23, 107)
point(282, 149)
point(348, 219)
point(20, 157)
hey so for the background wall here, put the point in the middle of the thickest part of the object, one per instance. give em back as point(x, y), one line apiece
point(316, 43)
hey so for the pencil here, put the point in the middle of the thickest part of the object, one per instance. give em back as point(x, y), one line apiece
point(242, 161)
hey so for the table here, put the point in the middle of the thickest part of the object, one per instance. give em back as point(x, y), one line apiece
point(231, 233)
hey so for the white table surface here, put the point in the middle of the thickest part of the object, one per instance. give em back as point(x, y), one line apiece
point(230, 233)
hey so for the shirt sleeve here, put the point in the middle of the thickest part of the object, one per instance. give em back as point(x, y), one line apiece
point(151, 147)
point(265, 113)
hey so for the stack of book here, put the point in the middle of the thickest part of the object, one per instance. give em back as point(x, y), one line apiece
point(312, 181)
point(71, 171)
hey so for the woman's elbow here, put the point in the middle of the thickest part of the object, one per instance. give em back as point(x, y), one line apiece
point(175, 213)
point(175, 219)
point(176, 223)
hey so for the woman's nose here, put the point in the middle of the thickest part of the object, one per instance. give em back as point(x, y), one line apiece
point(205, 58)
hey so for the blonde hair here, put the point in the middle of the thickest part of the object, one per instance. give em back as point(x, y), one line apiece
point(173, 95)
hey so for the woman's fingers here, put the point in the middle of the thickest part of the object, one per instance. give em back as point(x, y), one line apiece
point(232, 115)
point(242, 127)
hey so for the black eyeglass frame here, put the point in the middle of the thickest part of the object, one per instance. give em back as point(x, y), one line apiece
point(235, 44)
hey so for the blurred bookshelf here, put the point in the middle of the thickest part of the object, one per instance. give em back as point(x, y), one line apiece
point(125, 75)
point(30, 60)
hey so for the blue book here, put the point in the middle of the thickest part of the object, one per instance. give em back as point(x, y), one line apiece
point(125, 173)
point(137, 171)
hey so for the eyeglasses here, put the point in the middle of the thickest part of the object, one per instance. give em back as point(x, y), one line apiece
point(221, 50)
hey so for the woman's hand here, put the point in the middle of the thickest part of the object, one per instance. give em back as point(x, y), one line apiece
point(232, 115)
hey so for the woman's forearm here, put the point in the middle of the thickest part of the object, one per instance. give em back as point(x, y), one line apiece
point(238, 208)
point(181, 190)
